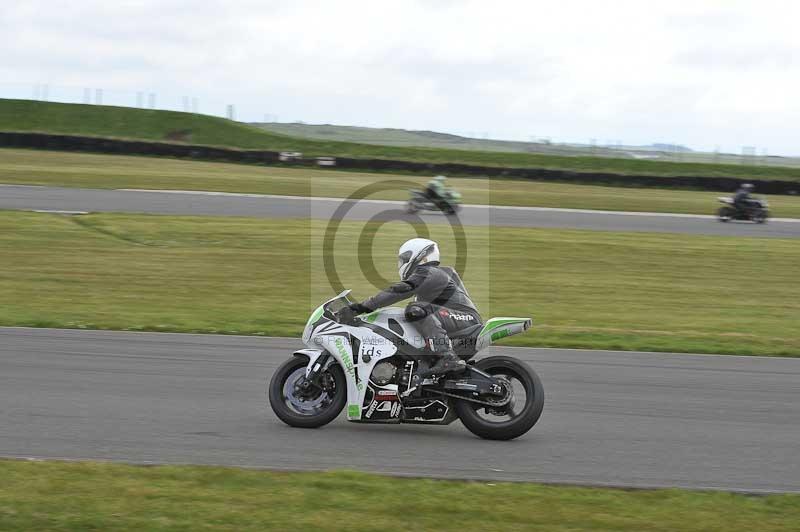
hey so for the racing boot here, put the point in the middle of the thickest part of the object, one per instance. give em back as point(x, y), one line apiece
point(448, 362)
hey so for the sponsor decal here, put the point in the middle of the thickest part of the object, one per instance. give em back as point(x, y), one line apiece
point(371, 410)
point(347, 361)
point(353, 411)
point(462, 317)
point(368, 352)
point(385, 406)
point(392, 407)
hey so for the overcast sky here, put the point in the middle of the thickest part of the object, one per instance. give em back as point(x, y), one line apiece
point(704, 73)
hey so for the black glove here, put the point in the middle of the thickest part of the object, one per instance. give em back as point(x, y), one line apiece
point(346, 316)
point(358, 308)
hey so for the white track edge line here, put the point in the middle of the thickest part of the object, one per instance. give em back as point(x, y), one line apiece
point(402, 474)
point(294, 339)
point(471, 206)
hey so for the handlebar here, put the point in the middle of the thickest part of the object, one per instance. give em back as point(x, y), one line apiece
point(346, 316)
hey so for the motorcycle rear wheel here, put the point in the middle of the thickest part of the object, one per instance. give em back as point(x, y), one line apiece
point(318, 408)
point(519, 421)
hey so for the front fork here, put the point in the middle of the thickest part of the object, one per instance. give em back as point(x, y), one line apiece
point(318, 362)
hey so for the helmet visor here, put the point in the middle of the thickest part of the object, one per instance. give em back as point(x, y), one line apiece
point(403, 258)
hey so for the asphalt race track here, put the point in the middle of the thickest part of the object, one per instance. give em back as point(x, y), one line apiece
point(222, 204)
point(626, 419)
point(611, 418)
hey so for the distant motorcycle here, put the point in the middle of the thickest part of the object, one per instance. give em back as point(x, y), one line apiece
point(757, 211)
point(420, 201)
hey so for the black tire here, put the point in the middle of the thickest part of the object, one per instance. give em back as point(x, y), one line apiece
point(724, 214)
point(411, 207)
point(519, 425)
point(761, 216)
point(278, 402)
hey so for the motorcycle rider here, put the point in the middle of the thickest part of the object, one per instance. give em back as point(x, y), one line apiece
point(436, 188)
point(441, 304)
point(741, 200)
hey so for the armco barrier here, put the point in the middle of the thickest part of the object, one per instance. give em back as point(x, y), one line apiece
point(169, 149)
point(722, 184)
point(133, 147)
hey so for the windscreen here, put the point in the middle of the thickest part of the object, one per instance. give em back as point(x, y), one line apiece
point(338, 303)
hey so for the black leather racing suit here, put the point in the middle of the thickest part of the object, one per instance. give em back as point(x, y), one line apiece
point(435, 197)
point(741, 200)
point(442, 305)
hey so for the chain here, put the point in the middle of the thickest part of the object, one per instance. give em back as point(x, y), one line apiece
point(478, 401)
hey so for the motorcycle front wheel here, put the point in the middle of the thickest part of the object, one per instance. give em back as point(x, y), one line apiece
point(509, 419)
point(411, 207)
point(308, 408)
point(725, 214)
point(760, 216)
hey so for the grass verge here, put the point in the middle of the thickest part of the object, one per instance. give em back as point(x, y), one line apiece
point(117, 171)
point(586, 289)
point(97, 496)
point(125, 122)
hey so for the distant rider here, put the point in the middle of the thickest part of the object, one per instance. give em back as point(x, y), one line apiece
point(742, 199)
point(436, 189)
point(441, 304)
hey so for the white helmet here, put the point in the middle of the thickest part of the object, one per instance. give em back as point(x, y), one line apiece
point(415, 252)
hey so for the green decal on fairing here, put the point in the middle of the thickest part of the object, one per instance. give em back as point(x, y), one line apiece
point(317, 313)
point(347, 361)
point(497, 322)
point(492, 323)
point(371, 317)
point(314, 317)
point(500, 334)
point(354, 411)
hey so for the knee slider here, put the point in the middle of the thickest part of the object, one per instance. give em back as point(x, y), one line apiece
point(416, 311)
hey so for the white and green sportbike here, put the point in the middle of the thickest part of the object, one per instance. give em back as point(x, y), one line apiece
point(371, 364)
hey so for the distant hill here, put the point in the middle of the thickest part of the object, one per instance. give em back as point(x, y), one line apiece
point(431, 139)
point(670, 147)
point(154, 125)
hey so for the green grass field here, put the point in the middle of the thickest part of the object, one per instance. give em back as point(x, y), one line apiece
point(98, 496)
point(123, 122)
point(116, 171)
point(585, 289)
